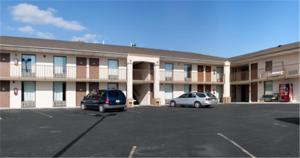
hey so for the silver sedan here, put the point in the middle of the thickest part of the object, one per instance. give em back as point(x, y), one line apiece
point(195, 99)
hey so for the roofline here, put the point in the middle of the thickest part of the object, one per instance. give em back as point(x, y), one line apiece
point(112, 45)
point(267, 51)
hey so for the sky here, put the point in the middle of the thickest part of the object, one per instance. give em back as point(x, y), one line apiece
point(222, 28)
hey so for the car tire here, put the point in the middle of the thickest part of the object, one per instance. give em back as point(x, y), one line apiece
point(197, 104)
point(101, 109)
point(122, 109)
point(83, 107)
point(172, 104)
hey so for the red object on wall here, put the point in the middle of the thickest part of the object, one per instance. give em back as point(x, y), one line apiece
point(284, 92)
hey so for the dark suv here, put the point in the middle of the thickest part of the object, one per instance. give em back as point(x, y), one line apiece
point(104, 99)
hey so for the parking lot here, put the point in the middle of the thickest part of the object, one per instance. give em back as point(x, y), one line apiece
point(223, 130)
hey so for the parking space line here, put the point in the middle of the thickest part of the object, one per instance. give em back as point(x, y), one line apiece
point(44, 114)
point(280, 125)
point(132, 151)
point(236, 144)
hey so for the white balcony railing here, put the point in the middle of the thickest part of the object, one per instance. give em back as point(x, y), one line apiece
point(37, 71)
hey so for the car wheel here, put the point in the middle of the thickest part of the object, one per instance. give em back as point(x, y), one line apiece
point(122, 109)
point(172, 104)
point(197, 105)
point(83, 107)
point(101, 109)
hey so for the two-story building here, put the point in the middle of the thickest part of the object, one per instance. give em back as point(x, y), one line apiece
point(51, 73)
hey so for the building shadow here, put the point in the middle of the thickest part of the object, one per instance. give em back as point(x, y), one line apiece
point(294, 120)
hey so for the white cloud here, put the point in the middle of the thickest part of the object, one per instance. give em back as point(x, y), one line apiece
point(91, 38)
point(29, 30)
point(26, 29)
point(31, 14)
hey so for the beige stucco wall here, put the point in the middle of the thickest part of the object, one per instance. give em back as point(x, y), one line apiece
point(15, 100)
point(44, 94)
point(290, 62)
point(44, 65)
point(71, 94)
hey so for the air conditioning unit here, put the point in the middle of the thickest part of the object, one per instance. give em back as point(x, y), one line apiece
point(113, 77)
point(168, 78)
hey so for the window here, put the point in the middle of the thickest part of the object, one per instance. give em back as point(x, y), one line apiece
point(113, 67)
point(168, 91)
point(191, 95)
point(186, 95)
point(59, 91)
point(201, 95)
point(60, 66)
point(187, 70)
point(268, 86)
point(112, 86)
point(28, 65)
point(28, 91)
point(268, 66)
point(168, 70)
point(187, 88)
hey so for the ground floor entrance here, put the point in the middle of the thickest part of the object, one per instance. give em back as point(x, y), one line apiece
point(240, 93)
point(143, 94)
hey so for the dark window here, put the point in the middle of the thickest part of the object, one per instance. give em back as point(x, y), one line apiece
point(4, 57)
point(269, 65)
point(184, 95)
point(201, 95)
point(192, 95)
point(94, 61)
point(81, 61)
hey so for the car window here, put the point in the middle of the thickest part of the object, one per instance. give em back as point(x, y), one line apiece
point(201, 95)
point(210, 95)
point(184, 95)
point(192, 95)
point(115, 94)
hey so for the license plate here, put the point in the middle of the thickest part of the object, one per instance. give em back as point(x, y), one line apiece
point(117, 101)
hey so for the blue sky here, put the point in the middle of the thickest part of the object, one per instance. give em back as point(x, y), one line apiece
point(219, 27)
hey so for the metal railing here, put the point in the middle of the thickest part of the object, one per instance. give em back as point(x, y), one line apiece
point(181, 76)
point(287, 70)
point(239, 76)
point(37, 71)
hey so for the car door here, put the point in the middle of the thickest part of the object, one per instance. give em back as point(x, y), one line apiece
point(95, 99)
point(190, 99)
point(182, 99)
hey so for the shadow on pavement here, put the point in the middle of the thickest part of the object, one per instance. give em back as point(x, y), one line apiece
point(294, 120)
point(63, 150)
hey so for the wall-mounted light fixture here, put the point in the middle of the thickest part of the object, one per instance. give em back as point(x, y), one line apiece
point(16, 60)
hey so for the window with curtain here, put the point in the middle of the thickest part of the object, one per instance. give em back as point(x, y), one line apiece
point(168, 91)
point(168, 70)
point(28, 63)
point(112, 86)
point(28, 91)
point(187, 70)
point(59, 91)
point(60, 63)
point(113, 67)
point(268, 86)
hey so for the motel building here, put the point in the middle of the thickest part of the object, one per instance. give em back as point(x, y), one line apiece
point(39, 73)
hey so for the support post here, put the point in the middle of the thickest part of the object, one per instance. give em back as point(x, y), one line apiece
point(226, 89)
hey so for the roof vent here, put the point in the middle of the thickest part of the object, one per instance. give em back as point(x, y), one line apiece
point(132, 44)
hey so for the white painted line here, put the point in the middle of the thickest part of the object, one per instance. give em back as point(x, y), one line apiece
point(236, 144)
point(44, 114)
point(132, 151)
point(280, 125)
